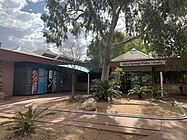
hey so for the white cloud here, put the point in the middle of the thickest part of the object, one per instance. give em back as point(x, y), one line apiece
point(19, 27)
point(14, 5)
point(35, 0)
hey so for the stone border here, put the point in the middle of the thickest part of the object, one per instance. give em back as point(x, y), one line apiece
point(182, 117)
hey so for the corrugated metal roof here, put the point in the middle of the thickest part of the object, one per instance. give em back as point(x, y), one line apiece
point(23, 50)
point(133, 54)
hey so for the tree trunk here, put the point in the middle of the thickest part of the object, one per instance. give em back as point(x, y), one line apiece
point(140, 96)
point(106, 65)
point(73, 85)
point(109, 40)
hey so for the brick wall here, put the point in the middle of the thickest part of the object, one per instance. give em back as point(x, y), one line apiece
point(7, 68)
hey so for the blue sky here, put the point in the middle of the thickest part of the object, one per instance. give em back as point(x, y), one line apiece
point(34, 7)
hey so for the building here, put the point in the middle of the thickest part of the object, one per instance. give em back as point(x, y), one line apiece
point(26, 73)
point(142, 69)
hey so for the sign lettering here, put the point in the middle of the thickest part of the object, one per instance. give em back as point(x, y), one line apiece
point(144, 63)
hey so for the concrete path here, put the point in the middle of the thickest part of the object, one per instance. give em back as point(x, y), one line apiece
point(172, 130)
point(111, 123)
point(152, 129)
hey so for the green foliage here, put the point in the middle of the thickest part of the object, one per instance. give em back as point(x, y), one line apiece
point(105, 90)
point(24, 123)
point(165, 26)
point(139, 90)
point(95, 52)
point(99, 18)
point(116, 74)
point(96, 48)
point(82, 14)
point(161, 23)
point(156, 92)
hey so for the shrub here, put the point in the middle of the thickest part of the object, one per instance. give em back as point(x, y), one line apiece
point(105, 90)
point(157, 92)
point(139, 90)
point(24, 123)
point(116, 74)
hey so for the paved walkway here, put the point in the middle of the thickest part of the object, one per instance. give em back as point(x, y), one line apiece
point(152, 129)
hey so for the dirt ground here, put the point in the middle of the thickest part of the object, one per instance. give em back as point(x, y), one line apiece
point(118, 105)
point(121, 106)
point(64, 132)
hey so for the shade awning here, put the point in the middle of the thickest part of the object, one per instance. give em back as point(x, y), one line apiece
point(77, 67)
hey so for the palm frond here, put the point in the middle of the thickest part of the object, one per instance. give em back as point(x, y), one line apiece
point(24, 122)
point(104, 90)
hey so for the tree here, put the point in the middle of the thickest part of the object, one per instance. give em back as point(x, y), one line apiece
point(96, 49)
point(166, 26)
point(73, 51)
point(100, 18)
point(143, 18)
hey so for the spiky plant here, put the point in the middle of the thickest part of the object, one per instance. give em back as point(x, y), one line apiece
point(139, 90)
point(157, 92)
point(24, 123)
point(105, 90)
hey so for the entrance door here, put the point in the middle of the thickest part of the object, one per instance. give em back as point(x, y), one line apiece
point(126, 82)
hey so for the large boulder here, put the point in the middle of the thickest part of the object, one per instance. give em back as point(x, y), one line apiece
point(89, 105)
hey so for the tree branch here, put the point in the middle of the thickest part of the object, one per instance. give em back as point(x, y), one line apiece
point(126, 41)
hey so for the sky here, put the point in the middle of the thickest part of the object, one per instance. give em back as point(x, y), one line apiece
point(21, 25)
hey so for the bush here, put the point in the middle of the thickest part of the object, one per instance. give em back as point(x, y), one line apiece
point(25, 123)
point(139, 90)
point(157, 92)
point(105, 90)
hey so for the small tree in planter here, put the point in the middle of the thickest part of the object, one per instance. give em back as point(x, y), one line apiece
point(139, 90)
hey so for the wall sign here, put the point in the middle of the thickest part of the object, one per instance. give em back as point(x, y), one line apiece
point(144, 63)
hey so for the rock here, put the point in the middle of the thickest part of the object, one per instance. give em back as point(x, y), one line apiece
point(27, 105)
point(89, 105)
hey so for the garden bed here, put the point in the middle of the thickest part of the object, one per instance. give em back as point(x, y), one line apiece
point(121, 106)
